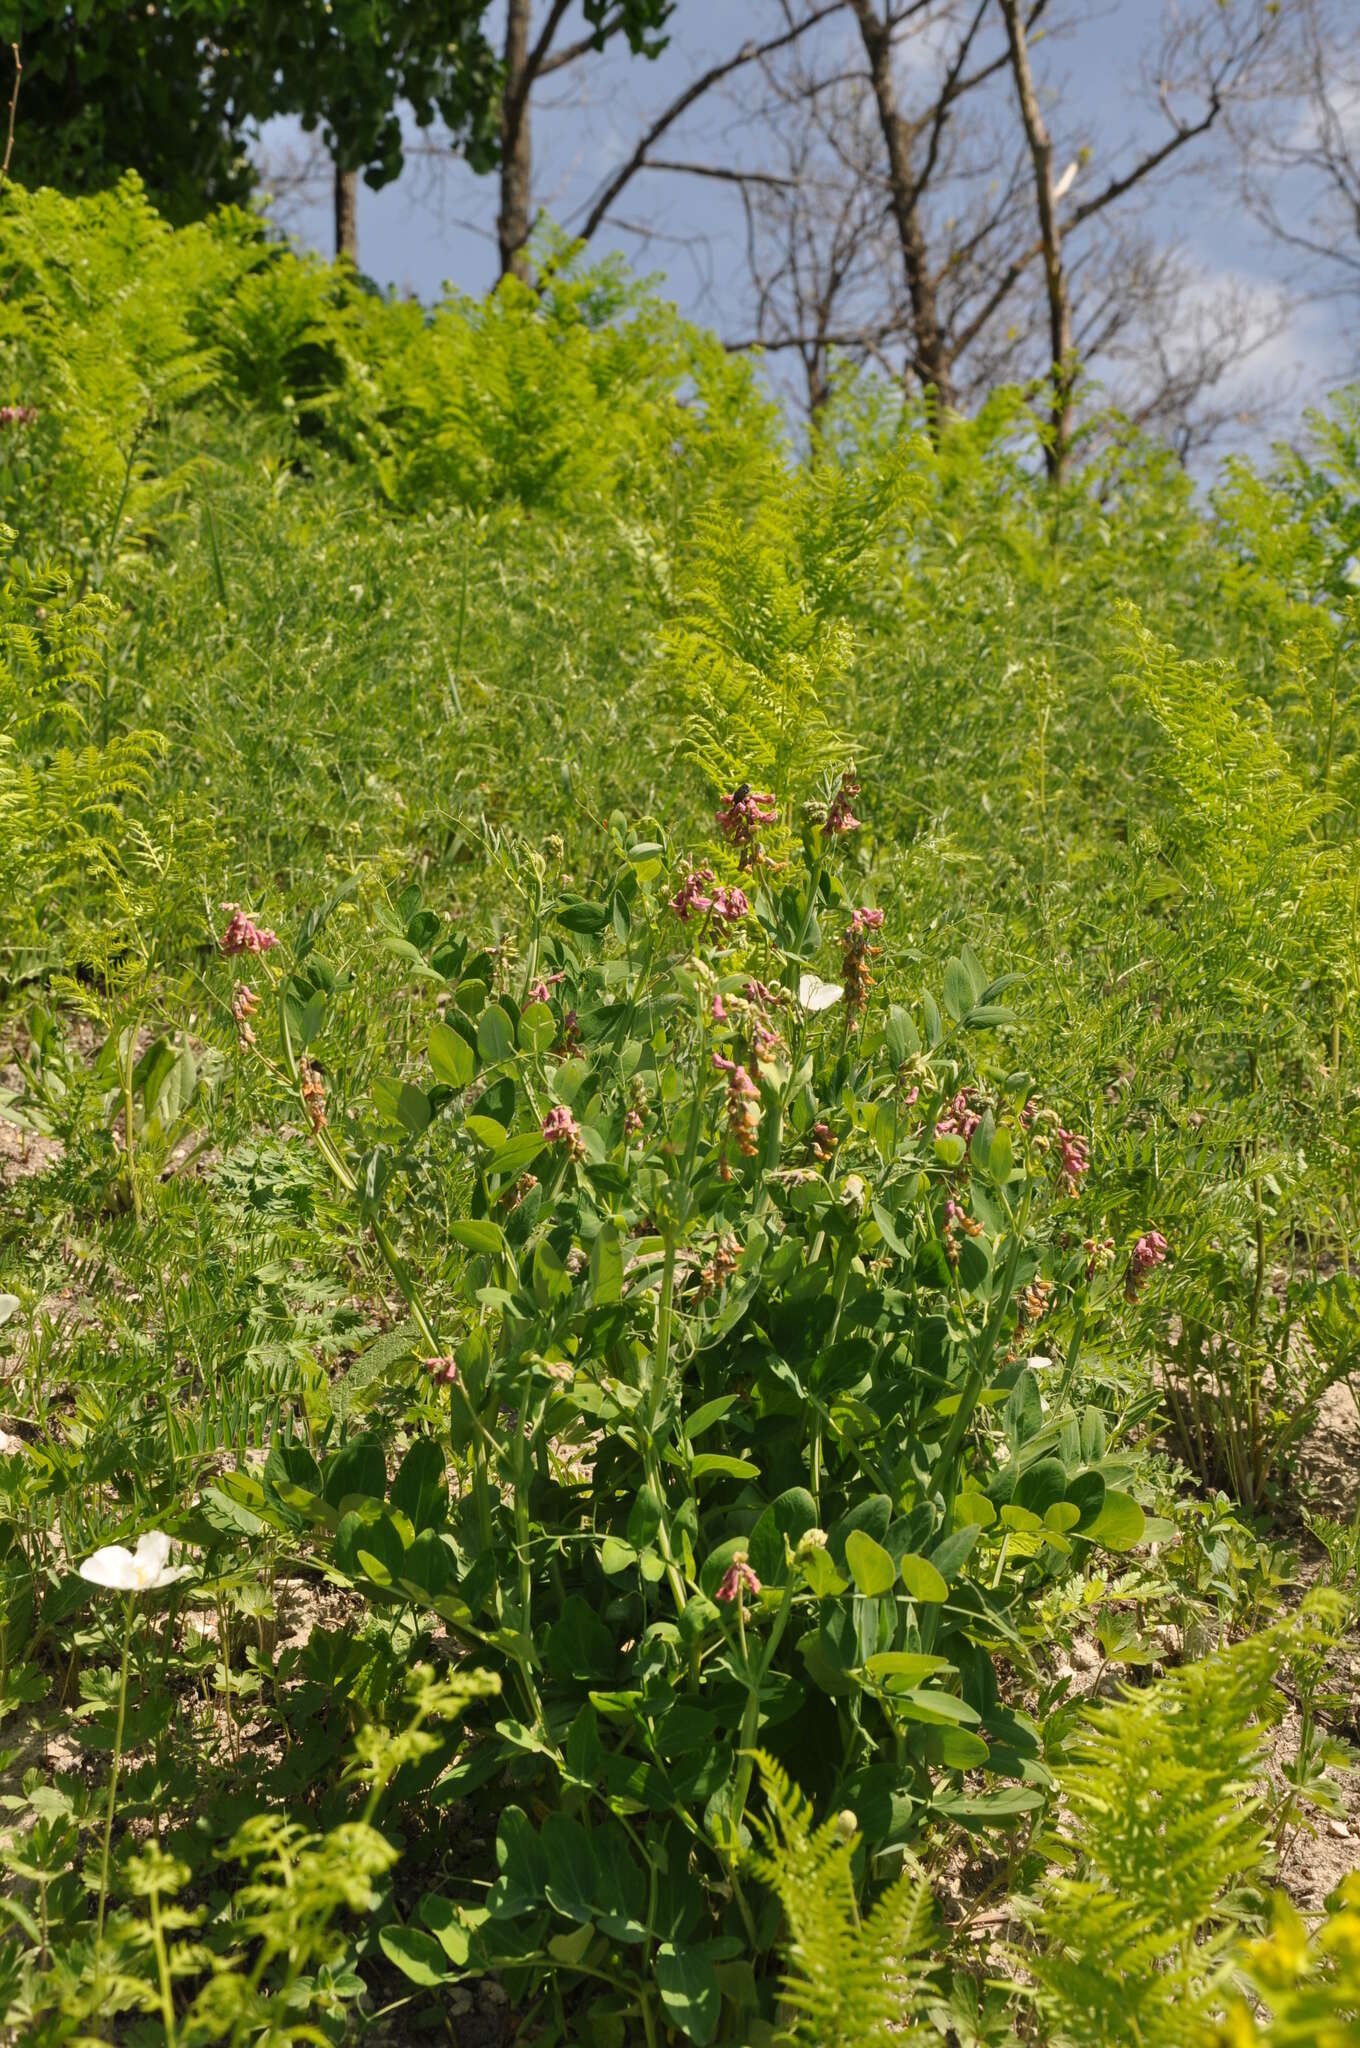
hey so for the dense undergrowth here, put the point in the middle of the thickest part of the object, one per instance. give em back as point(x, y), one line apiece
point(691, 1118)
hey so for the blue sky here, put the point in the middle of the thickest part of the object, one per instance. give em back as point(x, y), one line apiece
point(436, 224)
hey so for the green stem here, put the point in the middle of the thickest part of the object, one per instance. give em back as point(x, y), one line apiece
point(968, 1400)
point(113, 1777)
point(750, 1720)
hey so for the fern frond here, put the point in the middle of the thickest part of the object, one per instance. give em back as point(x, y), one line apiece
point(851, 1981)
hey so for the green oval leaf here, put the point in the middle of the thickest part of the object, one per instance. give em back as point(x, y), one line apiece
point(871, 1566)
point(416, 1954)
point(921, 1579)
point(495, 1035)
point(451, 1057)
point(1119, 1525)
point(476, 1234)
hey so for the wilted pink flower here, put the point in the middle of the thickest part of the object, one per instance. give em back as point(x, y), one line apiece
point(730, 905)
point(743, 1105)
point(690, 896)
point(243, 1008)
point(839, 817)
point(1151, 1250)
point(856, 956)
point(756, 992)
point(737, 1579)
point(444, 1370)
point(956, 1219)
point(739, 1082)
point(1099, 1252)
point(18, 415)
point(313, 1090)
point(539, 992)
point(632, 1123)
point(243, 935)
point(960, 1120)
point(1075, 1159)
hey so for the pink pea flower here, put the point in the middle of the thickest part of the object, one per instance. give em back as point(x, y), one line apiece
point(839, 817)
point(730, 905)
point(960, 1119)
point(559, 1127)
point(1151, 1250)
point(1075, 1159)
point(442, 1370)
point(691, 896)
point(741, 816)
point(18, 415)
point(719, 1009)
point(539, 992)
point(243, 935)
point(737, 1579)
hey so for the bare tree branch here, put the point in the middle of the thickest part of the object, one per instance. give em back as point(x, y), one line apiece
point(749, 53)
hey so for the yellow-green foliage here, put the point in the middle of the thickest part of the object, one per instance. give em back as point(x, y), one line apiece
point(853, 1980)
point(1161, 1853)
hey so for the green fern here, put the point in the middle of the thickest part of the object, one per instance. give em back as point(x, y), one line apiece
point(763, 638)
point(852, 1980)
point(1163, 1853)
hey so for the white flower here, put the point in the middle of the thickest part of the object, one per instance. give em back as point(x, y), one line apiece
point(135, 1571)
point(816, 994)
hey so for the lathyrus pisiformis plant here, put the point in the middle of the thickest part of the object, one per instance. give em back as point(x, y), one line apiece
point(736, 1277)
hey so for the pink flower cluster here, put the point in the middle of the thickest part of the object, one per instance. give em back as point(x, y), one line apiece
point(539, 991)
point(727, 905)
point(692, 894)
point(731, 905)
point(741, 816)
point(1075, 1158)
point(737, 1579)
point(442, 1370)
point(960, 1120)
point(840, 817)
point(560, 1127)
point(1150, 1251)
point(243, 935)
point(18, 415)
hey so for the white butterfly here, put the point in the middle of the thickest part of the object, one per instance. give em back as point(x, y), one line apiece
point(816, 994)
point(1067, 180)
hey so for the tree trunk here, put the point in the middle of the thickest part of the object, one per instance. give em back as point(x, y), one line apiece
point(931, 363)
point(512, 223)
point(1063, 368)
point(346, 214)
